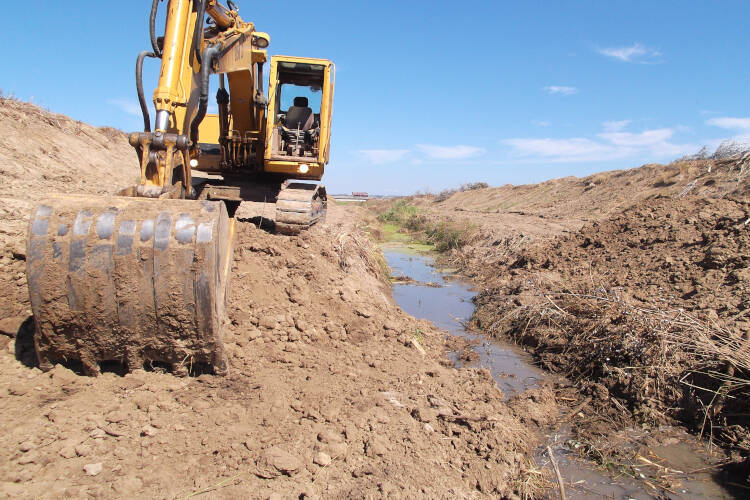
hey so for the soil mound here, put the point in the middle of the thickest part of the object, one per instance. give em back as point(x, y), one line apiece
point(40, 153)
point(651, 303)
point(604, 193)
point(330, 394)
point(332, 390)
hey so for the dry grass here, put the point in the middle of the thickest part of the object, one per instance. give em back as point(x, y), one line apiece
point(668, 363)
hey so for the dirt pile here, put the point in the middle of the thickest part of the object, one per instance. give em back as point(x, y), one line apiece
point(331, 393)
point(332, 390)
point(651, 303)
point(43, 152)
point(601, 194)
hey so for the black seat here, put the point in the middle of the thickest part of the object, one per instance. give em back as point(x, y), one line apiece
point(299, 116)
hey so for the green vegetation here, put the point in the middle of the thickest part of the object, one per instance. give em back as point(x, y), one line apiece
point(404, 222)
point(391, 232)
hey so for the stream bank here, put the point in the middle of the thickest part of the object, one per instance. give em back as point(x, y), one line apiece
point(672, 464)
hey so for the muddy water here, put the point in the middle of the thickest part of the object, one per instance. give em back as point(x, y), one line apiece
point(447, 302)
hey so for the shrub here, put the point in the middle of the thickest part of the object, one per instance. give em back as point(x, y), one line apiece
point(470, 186)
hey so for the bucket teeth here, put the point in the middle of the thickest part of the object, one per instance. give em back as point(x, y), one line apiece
point(129, 282)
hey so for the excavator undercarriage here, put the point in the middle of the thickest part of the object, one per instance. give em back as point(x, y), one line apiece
point(139, 280)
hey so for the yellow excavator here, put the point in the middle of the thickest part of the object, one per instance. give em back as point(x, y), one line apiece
point(139, 280)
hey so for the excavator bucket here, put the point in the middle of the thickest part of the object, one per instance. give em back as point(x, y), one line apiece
point(120, 283)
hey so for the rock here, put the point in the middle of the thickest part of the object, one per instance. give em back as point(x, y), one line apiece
point(148, 431)
point(301, 324)
point(330, 412)
point(62, 376)
point(28, 458)
point(329, 436)
point(293, 335)
point(274, 462)
point(364, 312)
point(374, 447)
point(98, 433)
point(424, 415)
point(337, 449)
point(83, 450)
point(367, 470)
point(10, 326)
point(428, 428)
point(130, 382)
point(143, 400)
point(93, 469)
point(17, 391)
point(115, 417)
point(390, 325)
point(299, 297)
point(160, 421)
point(741, 274)
point(253, 334)
point(26, 446)
point(322, 459)
point(19, 250)
point(67, 452)
point(268, 322)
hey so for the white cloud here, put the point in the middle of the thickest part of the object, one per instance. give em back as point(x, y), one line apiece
point(458, 152)
point(608, 145)
point(380, 156)
point(560, 89)
point(572, 149)
point(642, 139)
point(126, 106)
point(635, 53)
point(615, 126)
point(541, 123)
point(730, 123)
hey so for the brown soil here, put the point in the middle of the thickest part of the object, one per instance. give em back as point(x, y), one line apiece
point(634, 284)
point(330, 393)
point(41, 153)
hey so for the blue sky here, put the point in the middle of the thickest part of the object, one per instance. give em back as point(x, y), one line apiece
point(433, 94)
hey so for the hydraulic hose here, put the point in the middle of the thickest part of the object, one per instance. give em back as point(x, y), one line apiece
point(139, 88)
point(198, 31)
point(152, 28)
point(208, 57)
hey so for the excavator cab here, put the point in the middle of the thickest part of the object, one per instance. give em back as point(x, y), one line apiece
point(299, 116)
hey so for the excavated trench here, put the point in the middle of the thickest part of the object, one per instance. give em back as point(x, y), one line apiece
point(424, 291)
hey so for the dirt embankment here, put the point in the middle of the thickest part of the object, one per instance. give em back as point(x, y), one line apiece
point(333, 391)
point(651, 303)
point(40, 153)
point(634, 283)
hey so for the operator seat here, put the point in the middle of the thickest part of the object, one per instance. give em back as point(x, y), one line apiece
point(300, 116)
